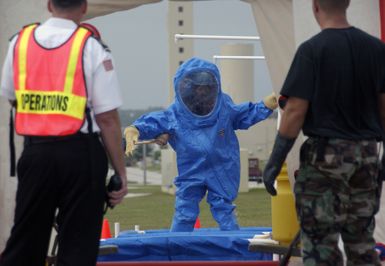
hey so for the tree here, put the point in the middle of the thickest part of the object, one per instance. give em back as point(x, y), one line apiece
point(138, 152)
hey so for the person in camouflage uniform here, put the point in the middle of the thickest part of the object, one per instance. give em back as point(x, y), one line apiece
point(335, 92)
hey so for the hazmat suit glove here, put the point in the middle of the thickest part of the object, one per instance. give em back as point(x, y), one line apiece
point(281, 148)
point(162, 139)
point(131, 135)
point(271, 101)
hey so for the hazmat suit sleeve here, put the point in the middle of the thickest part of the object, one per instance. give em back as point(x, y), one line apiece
point(153, 124)
point(247, 114)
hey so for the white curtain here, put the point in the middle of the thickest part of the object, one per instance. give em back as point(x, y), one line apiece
point(274, 20)
point(275, 24)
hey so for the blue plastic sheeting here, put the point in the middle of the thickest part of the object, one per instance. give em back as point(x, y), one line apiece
point(207, 244)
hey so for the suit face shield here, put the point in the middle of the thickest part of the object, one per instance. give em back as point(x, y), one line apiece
point(199, 92)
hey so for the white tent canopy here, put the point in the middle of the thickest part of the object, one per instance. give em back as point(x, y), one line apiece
point(102, 7)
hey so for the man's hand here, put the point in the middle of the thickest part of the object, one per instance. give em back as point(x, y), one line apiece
point(282, 146)
point(162, 140)
point(271, 101)
point(131, 134)
point(116, 196)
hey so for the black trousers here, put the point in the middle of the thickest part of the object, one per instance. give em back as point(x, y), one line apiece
point(66, 175)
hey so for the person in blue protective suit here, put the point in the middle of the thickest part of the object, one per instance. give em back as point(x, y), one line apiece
point(201, 126)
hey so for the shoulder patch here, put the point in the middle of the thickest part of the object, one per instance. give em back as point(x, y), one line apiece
point(108, 66)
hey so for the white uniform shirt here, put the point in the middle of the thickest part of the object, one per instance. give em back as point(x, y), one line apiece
point(103, 91)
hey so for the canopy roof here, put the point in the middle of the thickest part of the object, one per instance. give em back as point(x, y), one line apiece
point(103, 7)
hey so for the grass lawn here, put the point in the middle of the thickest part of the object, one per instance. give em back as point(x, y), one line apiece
point(155, 211)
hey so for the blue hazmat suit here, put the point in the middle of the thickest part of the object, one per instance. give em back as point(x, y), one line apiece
point(201, 126)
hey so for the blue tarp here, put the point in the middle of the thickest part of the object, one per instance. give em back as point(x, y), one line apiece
point(207, 244)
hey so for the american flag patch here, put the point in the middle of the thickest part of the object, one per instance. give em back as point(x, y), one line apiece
point(108, 66)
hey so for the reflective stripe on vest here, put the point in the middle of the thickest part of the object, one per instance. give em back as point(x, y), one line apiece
point(49, 84)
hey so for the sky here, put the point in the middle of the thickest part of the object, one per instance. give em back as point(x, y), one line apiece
point(139, 43)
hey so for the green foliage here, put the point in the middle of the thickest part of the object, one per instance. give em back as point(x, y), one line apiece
point(127, 116)
point(157, 155)
point(138, 152)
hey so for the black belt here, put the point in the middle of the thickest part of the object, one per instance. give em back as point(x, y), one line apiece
point(30, 140)
point(321, 143)
point(324, 138)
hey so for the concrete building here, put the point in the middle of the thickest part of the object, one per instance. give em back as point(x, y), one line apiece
point(180, 20)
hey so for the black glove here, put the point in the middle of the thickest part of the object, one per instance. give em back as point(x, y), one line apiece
point(381, 172)
point(281, 148)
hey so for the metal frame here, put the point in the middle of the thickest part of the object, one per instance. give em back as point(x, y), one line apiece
point(238, 57)
point(215, 37)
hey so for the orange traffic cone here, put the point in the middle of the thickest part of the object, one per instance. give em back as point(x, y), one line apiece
point(197, 223)
point(106, 233)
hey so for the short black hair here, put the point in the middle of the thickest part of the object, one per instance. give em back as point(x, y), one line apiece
point(334, 5)
point(64, 4)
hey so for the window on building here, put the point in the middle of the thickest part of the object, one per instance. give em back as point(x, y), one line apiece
point(180, 22)
point(180, 62)
point(181, 50)
point(180, 9)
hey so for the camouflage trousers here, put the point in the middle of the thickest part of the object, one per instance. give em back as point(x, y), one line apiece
point(337, 195)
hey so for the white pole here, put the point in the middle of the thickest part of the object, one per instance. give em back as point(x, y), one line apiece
point(237, 57)
point(144, 164)
point(215, 37)
point(116, 229)
point(242, 57)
